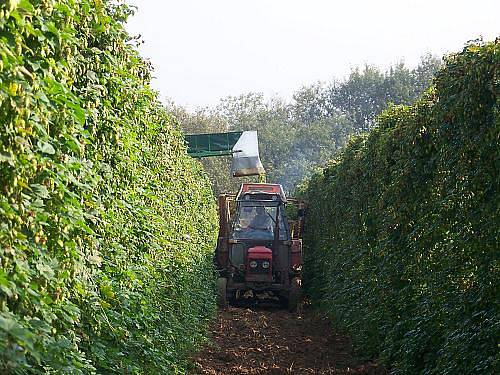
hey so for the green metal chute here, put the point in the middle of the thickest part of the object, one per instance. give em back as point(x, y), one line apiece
point(215, 144)
point(243, 146)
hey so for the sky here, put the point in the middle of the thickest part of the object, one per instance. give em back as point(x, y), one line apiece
point(206, 50)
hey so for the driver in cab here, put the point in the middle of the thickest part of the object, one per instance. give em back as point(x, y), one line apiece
point(262, 220)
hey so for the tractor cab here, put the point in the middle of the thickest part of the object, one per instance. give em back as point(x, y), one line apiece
point(260, 217)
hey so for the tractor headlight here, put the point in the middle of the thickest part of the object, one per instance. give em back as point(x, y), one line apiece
point(253, 264)
point(265, 264)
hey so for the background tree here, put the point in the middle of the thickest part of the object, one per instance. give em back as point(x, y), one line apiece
point(366, 93)
point(297, 136)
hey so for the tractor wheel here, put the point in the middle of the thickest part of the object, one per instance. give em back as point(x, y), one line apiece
point(294, 295)
point(222, 292)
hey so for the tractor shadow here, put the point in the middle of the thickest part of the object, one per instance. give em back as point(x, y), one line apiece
point(259, 302)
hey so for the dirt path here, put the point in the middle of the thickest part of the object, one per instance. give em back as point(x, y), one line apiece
point(273, 341)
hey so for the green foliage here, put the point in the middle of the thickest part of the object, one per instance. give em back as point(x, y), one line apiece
point(106, 225)
point(402, 231)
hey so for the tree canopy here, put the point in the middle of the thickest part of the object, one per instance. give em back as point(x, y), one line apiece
point(299, 135)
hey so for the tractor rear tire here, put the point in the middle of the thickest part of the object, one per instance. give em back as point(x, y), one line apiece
point(294, 295)
point(222, 292)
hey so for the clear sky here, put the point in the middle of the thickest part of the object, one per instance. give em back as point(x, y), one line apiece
point(203, 50)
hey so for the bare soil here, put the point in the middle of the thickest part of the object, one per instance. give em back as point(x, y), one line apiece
point(271, 340)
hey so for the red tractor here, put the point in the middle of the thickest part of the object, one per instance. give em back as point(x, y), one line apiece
point(259, 249)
